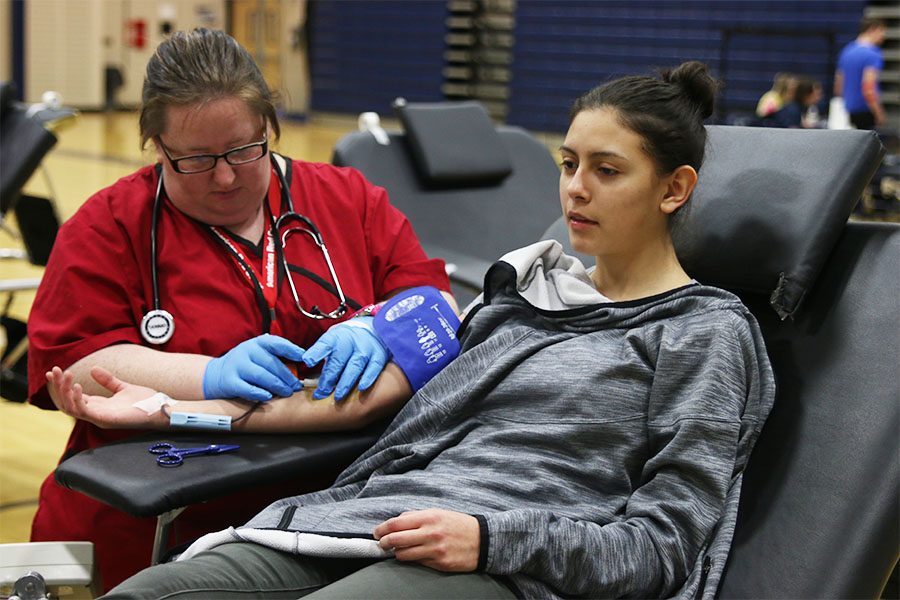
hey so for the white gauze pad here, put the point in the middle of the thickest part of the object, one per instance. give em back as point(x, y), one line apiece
point(154, 403)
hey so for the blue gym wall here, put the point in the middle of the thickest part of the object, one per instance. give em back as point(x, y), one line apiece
point(364, 54)
point(564, 48)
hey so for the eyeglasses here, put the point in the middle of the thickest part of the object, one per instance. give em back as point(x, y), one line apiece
point(198, 163)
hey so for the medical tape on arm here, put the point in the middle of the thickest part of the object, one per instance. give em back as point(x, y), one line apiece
point(419, 328)
point(154, 403)
point(179, 420)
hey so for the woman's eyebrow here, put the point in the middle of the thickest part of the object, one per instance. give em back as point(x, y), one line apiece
point(597, 154)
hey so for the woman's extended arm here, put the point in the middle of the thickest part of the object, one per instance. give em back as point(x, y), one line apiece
point(297, 413)
point(176, 374)
point(179, 375)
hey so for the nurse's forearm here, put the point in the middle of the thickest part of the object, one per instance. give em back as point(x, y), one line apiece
point(176, 375)
point(301, 413)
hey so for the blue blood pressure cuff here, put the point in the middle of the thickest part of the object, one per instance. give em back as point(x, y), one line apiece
point(419, 328)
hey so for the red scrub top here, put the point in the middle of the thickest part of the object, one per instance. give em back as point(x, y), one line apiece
point(97, 288)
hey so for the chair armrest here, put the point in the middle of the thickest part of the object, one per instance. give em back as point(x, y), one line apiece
point(125, 475)
point(20, 285)
point(463, 269)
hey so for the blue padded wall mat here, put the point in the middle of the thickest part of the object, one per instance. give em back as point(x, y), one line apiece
point(365, 54)
point(562, 49)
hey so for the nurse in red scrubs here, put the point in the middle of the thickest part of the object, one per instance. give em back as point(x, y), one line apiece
point(202, 275)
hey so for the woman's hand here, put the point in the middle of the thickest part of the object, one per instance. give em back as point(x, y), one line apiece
point(440, 539)
point(116, 412)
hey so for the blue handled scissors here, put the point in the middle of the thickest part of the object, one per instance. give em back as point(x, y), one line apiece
point(170, 456)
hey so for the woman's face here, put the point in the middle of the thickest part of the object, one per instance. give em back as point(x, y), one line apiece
point(610, 192)
point(228, 195)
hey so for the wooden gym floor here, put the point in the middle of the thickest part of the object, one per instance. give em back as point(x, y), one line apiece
point(93, 151)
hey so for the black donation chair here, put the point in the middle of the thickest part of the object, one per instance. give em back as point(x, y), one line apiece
point(25, 139)
point(819, 510)
point(472, 191)
point(819, 515)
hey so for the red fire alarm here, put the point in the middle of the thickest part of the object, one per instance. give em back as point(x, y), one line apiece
point(136, 33)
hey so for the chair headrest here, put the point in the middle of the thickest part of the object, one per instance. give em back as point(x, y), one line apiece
point(770, 205)
point(453, 143)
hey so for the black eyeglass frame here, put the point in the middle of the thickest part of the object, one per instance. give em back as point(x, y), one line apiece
point(264, 144)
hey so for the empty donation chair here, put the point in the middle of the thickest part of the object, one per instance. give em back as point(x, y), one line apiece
point(472, 190)
point(26, 131)
point(819, 514)
point(25, 139)
point(768, 220)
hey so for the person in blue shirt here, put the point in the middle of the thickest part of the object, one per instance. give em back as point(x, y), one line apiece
point(856, 79)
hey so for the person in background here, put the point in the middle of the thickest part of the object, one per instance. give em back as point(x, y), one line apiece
point(781, 93)
point(812, 118)
point(588, 441)
point(202, 275)
point(857, 76)
point(796, 113)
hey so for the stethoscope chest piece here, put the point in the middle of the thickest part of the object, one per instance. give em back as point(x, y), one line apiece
point(157, 326)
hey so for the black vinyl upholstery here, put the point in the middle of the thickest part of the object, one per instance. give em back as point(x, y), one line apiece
point(468, 223)
point(785, 209)
point(820, 516)
point(820, 506)
point(24, 141)
point(125, 475)
point(453, 144)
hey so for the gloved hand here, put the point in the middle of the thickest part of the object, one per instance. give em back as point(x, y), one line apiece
point(253, 370)
point(353, 351)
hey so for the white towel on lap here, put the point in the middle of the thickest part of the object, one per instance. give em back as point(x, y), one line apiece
point(309, 544)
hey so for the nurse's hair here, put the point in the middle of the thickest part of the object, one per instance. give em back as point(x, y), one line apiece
point(196, 67)
point(666, 111)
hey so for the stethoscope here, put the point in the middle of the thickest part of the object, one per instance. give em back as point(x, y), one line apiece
point(158, 325)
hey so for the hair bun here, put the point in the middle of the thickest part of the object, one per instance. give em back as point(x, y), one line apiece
point(696, 83)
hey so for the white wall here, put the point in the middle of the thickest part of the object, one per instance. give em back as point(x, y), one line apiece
point(179, 14)
point(69, 44)
point(5, 40)
point(63, 51)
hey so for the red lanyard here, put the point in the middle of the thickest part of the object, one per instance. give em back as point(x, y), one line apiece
point(269, 279)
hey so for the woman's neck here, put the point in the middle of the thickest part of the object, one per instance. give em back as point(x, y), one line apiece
point(654, 270)
point(252, 228)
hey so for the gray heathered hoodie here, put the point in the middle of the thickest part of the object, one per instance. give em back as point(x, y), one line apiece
point(601, 445)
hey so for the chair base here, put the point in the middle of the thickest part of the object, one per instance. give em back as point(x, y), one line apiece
point(48, 570)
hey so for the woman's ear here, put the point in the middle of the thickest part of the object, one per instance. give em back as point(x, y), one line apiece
point(681, 183)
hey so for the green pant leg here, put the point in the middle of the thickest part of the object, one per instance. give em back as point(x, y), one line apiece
point(239, 570)
point(394, 580)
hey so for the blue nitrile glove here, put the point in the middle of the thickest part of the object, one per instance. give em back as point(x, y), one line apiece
point(253, 370)
point(353, 351)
